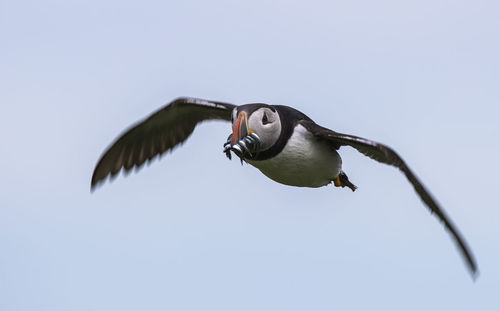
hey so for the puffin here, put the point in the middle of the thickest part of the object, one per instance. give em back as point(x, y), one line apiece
point(282, 142)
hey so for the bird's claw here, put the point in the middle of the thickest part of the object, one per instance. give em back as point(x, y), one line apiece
point(343, 181)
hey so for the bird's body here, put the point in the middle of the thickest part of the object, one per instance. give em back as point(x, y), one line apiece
point(282, 142)
point(304, 161)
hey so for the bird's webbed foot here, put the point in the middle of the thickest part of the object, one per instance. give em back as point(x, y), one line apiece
point(343, 181)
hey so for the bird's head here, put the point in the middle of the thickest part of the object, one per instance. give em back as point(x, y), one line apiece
point(260, 119)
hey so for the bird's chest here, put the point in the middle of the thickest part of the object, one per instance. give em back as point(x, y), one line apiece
point(304, 162)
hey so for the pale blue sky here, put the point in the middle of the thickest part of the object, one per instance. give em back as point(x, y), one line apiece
point(195, 231)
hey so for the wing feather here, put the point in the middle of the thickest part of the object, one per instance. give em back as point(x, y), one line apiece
point(160, 132)
point(385, 154)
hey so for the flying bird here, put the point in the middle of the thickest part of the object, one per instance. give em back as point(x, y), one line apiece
point(282, 142)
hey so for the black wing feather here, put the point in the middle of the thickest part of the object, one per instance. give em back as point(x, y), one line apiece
point(385, 154)
point(160, 132)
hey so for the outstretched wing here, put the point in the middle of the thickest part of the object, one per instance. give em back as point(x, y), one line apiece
point(162, 131)
point(386, 155)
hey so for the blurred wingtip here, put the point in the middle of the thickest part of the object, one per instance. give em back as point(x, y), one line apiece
point(95, 182)
point(475, 275)
point(93, 186)
point(474, 272)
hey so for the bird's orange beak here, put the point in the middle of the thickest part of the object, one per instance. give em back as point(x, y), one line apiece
point(240, 128)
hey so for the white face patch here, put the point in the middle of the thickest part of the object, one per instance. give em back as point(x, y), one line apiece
point(266, 124)
point(233, 116)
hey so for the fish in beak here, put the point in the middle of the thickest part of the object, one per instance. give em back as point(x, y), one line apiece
point(243, 142)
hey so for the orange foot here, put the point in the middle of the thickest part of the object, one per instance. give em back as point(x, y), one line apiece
point(343, 181)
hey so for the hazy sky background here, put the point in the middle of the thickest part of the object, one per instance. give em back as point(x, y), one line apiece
point(195, 231)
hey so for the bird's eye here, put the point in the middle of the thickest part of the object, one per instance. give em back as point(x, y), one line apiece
point(264, 119)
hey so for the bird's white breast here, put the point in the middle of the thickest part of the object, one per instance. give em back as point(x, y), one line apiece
point(305, 161)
